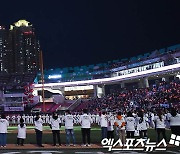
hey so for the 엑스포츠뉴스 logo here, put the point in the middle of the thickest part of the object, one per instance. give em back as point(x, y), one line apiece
point(174, 140)
point(134, 145)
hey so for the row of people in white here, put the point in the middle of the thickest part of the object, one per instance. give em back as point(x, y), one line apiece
point(29, 119)
point(122, 123)
point(130, 124)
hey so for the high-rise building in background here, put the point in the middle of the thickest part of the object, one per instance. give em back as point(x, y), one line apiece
point(19, 54)
point(6, 55)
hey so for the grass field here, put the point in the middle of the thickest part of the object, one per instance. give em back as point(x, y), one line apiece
point(47, 135)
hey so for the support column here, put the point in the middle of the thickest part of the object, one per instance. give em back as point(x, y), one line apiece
point(141, 84)
point(146, 82)
point(99, 91)
point(122, 84)
point(95, 90)
point(103, 90)
point(62, 90)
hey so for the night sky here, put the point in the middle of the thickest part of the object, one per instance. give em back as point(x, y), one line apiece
point(75, 33)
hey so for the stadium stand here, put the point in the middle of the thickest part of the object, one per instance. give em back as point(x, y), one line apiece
point(162, 95)
point(100, 70)
point(119, 67)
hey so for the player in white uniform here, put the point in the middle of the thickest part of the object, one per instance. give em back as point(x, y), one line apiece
point(76, 118)
point(24, 117)
point(18, 118)
point(27, 119)
point(31, 121)
point(47, 119)
point(43, 118)
point(93, 116)
point(62, 119)
point(98, 119)
point(13, 119)
point(8, 118)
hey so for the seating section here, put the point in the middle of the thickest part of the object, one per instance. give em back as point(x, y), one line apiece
point(51, 106)
point(161, 95)
point(48, 106)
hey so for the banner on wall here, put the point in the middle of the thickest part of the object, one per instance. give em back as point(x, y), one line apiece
point(7, 108)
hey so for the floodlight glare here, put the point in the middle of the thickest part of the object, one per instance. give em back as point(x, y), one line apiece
point(54, 76)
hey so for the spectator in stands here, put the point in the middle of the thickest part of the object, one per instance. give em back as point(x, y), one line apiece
point(157, 95)
point(120, 127)
point(160, 125)
point(69, 122)
point(175, 122)
point(55, 124)
point(21, 133)
point(104, 124)
point(3, 130)
point(85, 121)
point(38, 129)
point(130, 125)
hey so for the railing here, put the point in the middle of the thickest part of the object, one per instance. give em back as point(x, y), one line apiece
point(74, 105)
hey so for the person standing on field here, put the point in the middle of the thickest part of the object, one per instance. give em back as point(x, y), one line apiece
point(120, 127)
point(110, 128)
point(174, 120)
point(3, 130)
point(21, 133)
point(55, 124)
point(104, 125)
point(142, 124)
point(160, 125)
point(38, 129)
point(69, 122)
point(130, 125)
point(85, 121)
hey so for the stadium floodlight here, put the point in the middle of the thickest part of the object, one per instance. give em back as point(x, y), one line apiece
point(54, 76)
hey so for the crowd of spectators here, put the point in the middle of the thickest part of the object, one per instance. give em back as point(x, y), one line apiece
point(164, 95)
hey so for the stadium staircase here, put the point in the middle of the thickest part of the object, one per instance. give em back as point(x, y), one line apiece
point(48, 106)
point(74, 105)
point(54, 108)
point(83, 105)
point(60, 106)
